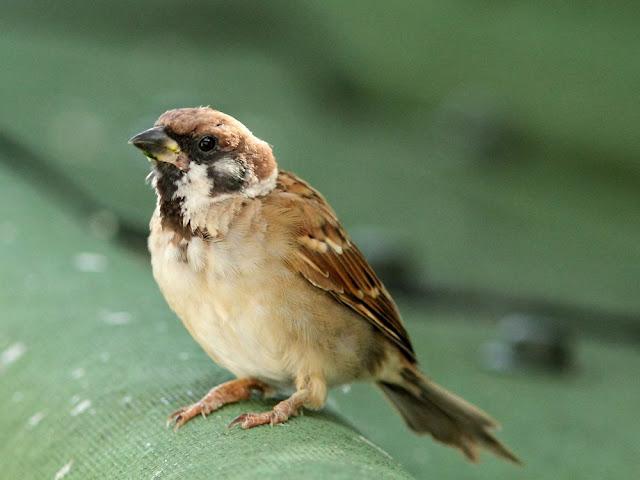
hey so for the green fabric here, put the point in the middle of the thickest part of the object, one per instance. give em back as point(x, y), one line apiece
point(71, 337)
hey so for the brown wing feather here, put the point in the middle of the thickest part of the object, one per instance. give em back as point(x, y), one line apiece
point(327, 258)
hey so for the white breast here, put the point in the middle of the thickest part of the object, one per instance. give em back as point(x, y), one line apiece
point(219, 290)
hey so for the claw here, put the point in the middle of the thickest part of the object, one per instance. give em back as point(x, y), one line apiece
point(175, 422)
point(250, 420)
point(174, 418)
point(239, 420)
point(229, 392)
point(178, 418)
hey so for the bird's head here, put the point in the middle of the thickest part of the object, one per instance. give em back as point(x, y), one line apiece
point(202, 152)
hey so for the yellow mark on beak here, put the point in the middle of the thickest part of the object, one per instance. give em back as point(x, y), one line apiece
point(157, 145)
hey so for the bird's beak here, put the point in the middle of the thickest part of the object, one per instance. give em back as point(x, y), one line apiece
point(156, 144)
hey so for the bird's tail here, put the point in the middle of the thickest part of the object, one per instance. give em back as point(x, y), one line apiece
point(428, 408)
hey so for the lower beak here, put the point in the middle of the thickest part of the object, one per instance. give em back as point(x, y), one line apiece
point(156, 144)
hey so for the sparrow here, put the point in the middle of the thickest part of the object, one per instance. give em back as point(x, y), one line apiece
point(257, 266)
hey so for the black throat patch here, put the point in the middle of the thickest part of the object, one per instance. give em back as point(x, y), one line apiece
point(227, 176)
point(167, 177)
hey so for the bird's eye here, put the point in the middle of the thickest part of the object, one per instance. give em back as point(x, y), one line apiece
point(207, 143)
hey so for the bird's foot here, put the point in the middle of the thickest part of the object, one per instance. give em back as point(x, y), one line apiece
point(228, 392)
point(280, 414)
point(184, 414)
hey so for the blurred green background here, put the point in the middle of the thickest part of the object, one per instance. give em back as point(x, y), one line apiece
point(494, 144)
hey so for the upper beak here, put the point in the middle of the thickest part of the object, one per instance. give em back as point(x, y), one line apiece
point(156, 144)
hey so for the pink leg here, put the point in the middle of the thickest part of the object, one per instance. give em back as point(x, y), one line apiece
point(228, 392)
point(311, 392)
point(279, 414)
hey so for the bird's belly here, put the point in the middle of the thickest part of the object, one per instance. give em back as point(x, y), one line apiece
point(229, 313)
point(238, 333)
point(256, 318)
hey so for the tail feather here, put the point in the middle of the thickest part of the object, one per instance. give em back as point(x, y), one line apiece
point(428, 408)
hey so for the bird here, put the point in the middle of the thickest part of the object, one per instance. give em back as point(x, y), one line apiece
point(259, 269)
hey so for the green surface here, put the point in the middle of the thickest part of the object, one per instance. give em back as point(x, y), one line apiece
point(107, 338)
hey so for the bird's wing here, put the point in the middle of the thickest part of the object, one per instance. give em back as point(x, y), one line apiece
point(326, 257)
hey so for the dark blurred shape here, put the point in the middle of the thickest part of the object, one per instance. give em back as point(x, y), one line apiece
point(472, 125)
point(529, 342)
point(104, 224)
point(390, 257)
point(60, 187)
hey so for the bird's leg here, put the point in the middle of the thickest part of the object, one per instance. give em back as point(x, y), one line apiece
point(279, 414)
point(311, 392)
point(225, 393)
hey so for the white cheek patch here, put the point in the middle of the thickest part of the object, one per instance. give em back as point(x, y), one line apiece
point(262, 187)
point(228, 167)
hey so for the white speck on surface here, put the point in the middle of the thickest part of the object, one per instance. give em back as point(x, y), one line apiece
point(190, 393)
point(90, 262)
point(345, 388)
point(11, 354)
point(156, 474)
point(164, 401)
point(75, 399)
point(184, 356)
point(81, 407)
point(77, 373)
point(17, 397)
point(64, 471)
point(105, 357)
point(126, 400)
point(35, 419)
point(115, 318)
point(370, 443)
